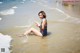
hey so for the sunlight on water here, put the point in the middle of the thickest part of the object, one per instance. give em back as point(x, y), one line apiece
point(17, 16)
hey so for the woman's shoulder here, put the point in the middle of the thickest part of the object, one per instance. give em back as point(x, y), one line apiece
point(44, 19)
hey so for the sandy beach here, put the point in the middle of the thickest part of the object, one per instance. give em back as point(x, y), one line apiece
point(63, 28)
point(63, 38)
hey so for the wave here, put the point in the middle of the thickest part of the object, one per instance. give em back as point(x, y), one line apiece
point(26, 26)
point(67, 18)
point(33, 1)
point(7, 12)
point(62, 12)
point(1, 2)
point(23, 1)
point(53, 5)
point(0, 19)
point(14, 7)
point(40, 2)
point(5, 41)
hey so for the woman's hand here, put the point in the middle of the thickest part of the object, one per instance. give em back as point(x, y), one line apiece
point(37, 24)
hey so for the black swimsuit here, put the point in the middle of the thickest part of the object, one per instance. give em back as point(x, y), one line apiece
point(44, 32)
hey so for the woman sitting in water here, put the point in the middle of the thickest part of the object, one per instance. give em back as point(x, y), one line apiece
point(42, 26)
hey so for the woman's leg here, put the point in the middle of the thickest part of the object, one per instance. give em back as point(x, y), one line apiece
point(36, 32)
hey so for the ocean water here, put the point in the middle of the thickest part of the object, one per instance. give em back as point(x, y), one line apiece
point(11, 13)
point(23, 13)
point(15, 15)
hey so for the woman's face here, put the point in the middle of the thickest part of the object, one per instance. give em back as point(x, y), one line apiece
point(41, 15)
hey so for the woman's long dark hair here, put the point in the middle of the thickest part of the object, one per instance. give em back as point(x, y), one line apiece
point(43, 13)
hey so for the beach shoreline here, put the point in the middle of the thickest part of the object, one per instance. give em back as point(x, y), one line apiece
point(63, 27)
point(62, 35)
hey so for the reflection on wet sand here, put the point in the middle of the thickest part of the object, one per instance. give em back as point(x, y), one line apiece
point(64, 37)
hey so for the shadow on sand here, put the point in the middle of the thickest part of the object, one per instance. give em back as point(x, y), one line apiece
point(49, 33)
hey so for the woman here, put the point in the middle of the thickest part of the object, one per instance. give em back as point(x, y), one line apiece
point(42, 26)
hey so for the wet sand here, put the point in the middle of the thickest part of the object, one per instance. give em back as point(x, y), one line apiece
point(63, 38)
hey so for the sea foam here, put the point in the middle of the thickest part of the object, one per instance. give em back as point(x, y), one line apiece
point(33, 1)
point(23, 1)
point(1, 2)
point(14, 7)
point(69, 18)
point(5, 41)
point(0, 19)
point(26, 26)
point(7, 12)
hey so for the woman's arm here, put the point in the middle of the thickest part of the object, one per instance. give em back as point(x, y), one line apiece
point(37, 24)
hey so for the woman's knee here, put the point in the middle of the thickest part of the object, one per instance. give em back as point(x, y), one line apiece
point(32, 28)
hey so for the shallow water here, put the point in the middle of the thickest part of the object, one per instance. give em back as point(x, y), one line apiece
point(63, 25)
